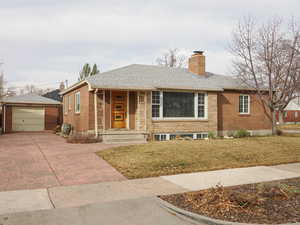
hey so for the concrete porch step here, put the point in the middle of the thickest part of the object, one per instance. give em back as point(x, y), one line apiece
point(124, 138)
point(130, 142)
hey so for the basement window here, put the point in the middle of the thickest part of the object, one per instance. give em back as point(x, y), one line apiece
point(167, 137)
point(202, 136)
point(160, 137)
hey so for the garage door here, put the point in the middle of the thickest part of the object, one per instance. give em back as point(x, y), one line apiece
point(28, 119)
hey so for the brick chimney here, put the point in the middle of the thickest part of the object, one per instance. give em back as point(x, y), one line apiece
point(62, 86)
point(197, 63)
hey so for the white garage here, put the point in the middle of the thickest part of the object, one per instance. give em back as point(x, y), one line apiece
point(28, 119)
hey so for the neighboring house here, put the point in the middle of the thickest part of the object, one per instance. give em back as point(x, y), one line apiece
point(162, 102)
point(55, 95)
point(30, 113)
point(291, 113)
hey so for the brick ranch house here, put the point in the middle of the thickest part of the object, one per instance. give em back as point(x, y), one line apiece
point(291, 113)
point(161, 103)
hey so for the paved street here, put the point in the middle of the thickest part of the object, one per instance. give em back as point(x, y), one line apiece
point(43, 160)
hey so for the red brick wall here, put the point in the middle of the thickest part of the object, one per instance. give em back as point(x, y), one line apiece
point(52, 116)
point(229, 117)
point(8, 119)
point(290, 116)
point(85, 120)
point(79, 121)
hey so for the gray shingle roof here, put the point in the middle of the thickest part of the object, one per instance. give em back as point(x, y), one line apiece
point(294, 104)
point(30, 98)
point(156, 77)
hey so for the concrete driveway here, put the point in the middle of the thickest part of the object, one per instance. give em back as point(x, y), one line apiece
point(42, 160)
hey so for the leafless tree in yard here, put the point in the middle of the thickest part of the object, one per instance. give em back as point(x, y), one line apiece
point(267, 59)
point(172, 58)
point(32, 89)
point(1, 85)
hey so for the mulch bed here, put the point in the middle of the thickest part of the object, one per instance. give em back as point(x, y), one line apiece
point(264, 203)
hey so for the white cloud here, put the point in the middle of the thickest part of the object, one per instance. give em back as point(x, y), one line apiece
point(46, 41)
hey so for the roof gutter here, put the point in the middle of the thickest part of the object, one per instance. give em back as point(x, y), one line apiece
point(244, 89)
point(154, 88)
point(120, 88)
point(190, 89)
point(32, 103)
point(74, 87)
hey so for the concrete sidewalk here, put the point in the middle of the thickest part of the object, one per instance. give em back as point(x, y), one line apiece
point(142, 211)
point(79, 195)
point(230, 177)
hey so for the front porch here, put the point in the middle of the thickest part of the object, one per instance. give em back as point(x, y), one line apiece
point(121, 116)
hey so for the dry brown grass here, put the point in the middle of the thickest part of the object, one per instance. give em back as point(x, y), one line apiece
point(173, 157)
point(289, 127)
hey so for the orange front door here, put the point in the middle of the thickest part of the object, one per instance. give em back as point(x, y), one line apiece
point(119, 109)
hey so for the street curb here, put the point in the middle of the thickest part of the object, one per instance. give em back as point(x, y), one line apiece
point(203, 219)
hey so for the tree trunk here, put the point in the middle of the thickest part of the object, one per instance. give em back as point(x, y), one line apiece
point(280, 117)
point(273, 122)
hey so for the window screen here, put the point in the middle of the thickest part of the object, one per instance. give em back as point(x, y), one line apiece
point(201, 105)
point(155, 104)
point(69, 103)
point(244, 104)
point(77, 102)
point(66, 105)
point(202, 136)
point(178, 104)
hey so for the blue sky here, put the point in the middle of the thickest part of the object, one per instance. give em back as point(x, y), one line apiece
point(44, 42)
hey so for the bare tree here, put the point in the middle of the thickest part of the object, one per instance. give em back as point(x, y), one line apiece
point(267, 59)
point(172, 58)
point(32, 89)
point(2, 85)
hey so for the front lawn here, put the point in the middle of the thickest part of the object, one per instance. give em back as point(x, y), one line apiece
point(289, 126)
point(173, 157)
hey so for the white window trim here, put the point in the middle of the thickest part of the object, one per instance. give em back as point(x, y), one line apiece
point(183, 118)
point(169, 134)
point(69, 103)
point(66, 105)
point(77, 110)
point(249, 100)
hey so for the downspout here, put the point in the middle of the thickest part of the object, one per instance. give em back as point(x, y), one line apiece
point(96, 112)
